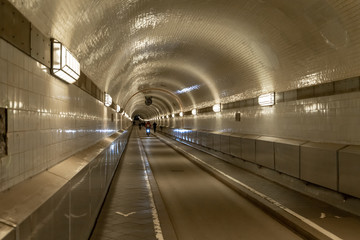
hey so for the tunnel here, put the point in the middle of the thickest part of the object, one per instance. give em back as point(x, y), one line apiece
point(258, 97)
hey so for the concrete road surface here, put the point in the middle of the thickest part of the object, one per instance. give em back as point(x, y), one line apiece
point(201, 207)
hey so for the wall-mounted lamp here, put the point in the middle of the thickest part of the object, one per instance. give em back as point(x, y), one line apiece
point(118, 108)
point(63, 64)
point(173, 115)
point(181, 114)
point(267, 99)
point(167, 116)
point(217, 108)
point(108, 100)
point(194, 112)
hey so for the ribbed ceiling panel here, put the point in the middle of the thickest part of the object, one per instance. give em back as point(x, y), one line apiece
point(204, 51)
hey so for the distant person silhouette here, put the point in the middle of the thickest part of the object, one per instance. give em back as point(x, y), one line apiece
point(154, 127)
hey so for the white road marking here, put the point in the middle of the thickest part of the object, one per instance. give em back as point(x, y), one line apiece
point(156, 221)
point(125, 214)
point(279, 205)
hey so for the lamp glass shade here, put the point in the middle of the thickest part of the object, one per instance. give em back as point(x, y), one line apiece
point(267, 99)
point(108, 100)
point(217, 108)
point(64, 64)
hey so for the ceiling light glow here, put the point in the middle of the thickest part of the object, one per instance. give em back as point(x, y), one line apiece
point(188, 89)
point(217, 108)
point(267, 99)
point(108, 100)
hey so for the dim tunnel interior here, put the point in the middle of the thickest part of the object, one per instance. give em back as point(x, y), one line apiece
point(272, 87)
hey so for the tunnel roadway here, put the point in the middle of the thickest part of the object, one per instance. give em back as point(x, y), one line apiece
point(202, 207)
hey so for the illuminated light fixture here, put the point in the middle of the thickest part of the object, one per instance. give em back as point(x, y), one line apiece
point(167, 116)
point(267, 99)
point(181, 114)
point(194, 112)
point(108, 100)
point(117, 108)
point(217, 108)
point(64, 64)
point(173, 115)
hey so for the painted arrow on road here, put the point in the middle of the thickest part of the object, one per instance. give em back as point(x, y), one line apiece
point(125, 214)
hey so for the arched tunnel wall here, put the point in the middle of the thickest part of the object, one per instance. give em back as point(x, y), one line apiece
point(48, 120)
point(332, 119)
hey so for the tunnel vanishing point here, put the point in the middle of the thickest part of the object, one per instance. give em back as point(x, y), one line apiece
point(273, 82)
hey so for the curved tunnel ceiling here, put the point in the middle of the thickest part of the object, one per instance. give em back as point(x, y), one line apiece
point(202, 51)
point(170, 99)
point(161, 104)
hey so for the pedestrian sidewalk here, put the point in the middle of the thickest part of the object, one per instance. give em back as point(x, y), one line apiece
point(128, 209)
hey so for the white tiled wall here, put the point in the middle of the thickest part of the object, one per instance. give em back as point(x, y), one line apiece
point(333, 119)
point(48, 120)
